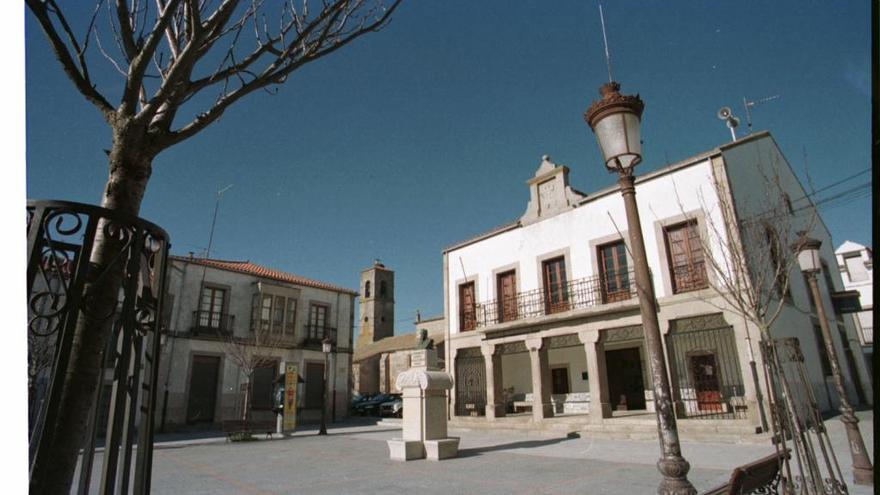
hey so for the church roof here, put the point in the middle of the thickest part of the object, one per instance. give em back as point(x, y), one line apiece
point(403, 342)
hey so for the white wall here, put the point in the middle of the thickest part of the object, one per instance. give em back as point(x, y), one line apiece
point(657, 198)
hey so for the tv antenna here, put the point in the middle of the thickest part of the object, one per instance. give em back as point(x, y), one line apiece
point(749, 104)
point(725, 114)
point(605, 39)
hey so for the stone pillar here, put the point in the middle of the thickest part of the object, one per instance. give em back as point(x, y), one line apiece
point(424, 411)
point(542, 405)
point(600, 407)
point(495, 406)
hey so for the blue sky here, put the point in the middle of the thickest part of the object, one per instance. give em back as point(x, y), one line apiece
point(424, 134)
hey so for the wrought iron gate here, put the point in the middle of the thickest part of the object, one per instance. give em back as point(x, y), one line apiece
point(470, 383)
point(60, 277)
point(704, 365)
point(797, 423)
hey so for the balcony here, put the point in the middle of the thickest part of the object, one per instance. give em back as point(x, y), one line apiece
point(213, 324)
point(316, 333)
point(574, 294)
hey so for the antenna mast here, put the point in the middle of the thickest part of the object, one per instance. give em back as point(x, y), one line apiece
point(749, 104)
point(605, 39)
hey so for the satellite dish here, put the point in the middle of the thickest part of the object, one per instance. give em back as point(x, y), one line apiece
point(724, 113)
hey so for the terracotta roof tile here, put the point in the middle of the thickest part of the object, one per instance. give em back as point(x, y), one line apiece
point(249, 268)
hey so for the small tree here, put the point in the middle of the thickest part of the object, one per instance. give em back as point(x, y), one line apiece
point(182, 63)
point(250, 353)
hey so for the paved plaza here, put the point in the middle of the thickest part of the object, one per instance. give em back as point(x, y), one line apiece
point(353, 459)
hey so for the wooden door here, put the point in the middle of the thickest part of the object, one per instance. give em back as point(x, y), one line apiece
point(560, 380)
point(507, 310)
point(706, 383)
point(467, 307)
point(555, 288)
point(203, 389)
point(614, 272)
point(314, 385)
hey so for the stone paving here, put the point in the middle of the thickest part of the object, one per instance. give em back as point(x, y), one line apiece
point(353, 459)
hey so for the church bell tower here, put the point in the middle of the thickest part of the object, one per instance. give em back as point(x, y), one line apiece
point(376, 304)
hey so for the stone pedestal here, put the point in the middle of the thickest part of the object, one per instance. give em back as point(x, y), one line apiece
point(424, 411)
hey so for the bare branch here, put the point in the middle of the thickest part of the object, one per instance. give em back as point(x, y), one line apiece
point(79, 79)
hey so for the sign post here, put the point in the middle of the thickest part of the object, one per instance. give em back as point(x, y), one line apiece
point(289, 416)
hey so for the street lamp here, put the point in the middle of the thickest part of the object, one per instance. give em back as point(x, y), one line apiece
point(807, 250)
point(326, 347)
point(615, 120)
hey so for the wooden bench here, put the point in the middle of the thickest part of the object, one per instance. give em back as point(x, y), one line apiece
point(236, 426)
point(761, 474)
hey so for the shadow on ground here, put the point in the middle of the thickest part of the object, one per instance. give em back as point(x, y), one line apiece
point(526, 444)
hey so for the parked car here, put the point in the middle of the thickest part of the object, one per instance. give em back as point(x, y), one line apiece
point(393, 407)
point(370, 406)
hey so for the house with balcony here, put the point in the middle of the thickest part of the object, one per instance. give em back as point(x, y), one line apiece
point(856, 263)
point(544, 321)
point(220, 309)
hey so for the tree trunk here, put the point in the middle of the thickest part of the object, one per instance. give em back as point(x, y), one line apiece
point(56, 459)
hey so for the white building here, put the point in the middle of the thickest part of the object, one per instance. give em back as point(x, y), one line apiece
point(200, 384)
point(542, 311)
point(856, 264)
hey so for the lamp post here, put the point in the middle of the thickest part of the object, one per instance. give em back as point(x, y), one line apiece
point(615, 120)
point(326, 347)
point(807, 250)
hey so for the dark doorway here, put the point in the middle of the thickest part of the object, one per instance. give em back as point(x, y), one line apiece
point(314, 385)
point(560, 380)
point(202, 389)
point(625, 384)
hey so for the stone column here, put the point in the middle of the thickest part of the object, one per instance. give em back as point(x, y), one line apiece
point(495, 406)
point(542, 405)
point(600, 408)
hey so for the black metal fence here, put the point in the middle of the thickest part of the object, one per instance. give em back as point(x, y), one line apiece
point(797, 423)
point(212, 323)
point(574, 294)
point(470, 383)
point(706, 376)
point(61, 273)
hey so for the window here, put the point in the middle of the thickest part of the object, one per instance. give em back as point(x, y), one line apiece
point(263, 385)
point(382, 288)
point(278, 314)
point(555, 286)
point(855, 268)
point(467, 307)
point(823, 351)
point(559, 381)
point(212, 307)
point(265, 312)
point(290, 319)
point(685, 255)
point(367, 289)
point(317, 321)
point(614, 272)
point(506, 291)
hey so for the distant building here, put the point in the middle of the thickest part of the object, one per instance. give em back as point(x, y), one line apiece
point(543, 312)
point(212, 301)
point(856, 264)
point(380, 355)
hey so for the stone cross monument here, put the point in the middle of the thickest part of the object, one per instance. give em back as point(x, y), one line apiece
point(424, 389)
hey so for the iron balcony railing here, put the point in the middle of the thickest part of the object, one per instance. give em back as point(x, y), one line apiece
point(212, 323)
point(574, 294)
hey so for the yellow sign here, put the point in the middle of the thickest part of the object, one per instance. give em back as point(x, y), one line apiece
point(290, 377)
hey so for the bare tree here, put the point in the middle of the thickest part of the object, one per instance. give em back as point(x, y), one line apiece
point(182, 64)
point(750, 258)
point(252, 352)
